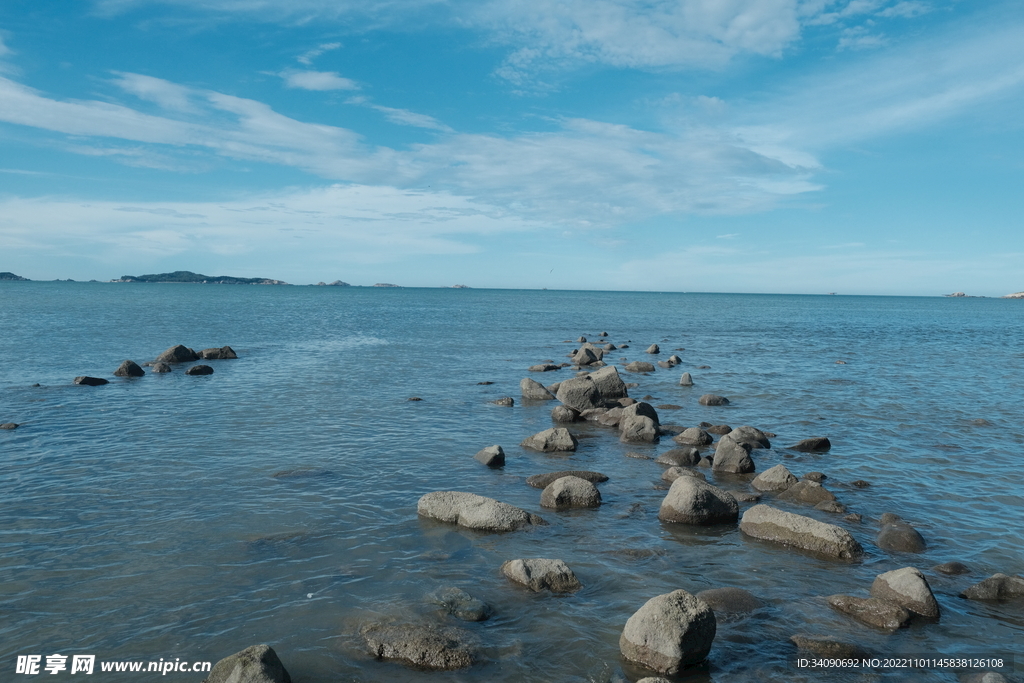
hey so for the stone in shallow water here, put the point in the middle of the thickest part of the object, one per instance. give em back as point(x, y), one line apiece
point(777, 478)
point(201, 370)
point(771, 524)
point(872, 611)
point(996, 587)
point(541, 481)
point(129, 368)
point(713, 400)
point(953, 568)
point(460, 604)
point(730, 600)
point(671, 632)
point(680, 457)
point(909, 589)
point(899, 536)
point(815, 444)
point(694, 501)
point(255, 664)
point(474, 512)
point(539, 574)
point(534, 390)
point(570, 492)
point(492, 456)
point(551, 440)
point(421, 645)
point(91, 381)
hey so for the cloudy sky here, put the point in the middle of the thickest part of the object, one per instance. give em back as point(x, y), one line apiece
point(804, 146)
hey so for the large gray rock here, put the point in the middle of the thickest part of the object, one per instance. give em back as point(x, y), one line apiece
point(255, 664)
point(539, 574)
point(579, 393)
point(420, 645)
point(872, 611)
point(694, 436)
point(222, 353)
point(810, 492)
point(85, 380)
point(732, 457)
point(608, 383)
point(177, 354)
point(671, 632)
point(680, 457)
point(638, 429)
point(609, 418)
point(777, 478)
point(551, 440)
point(752, 436)
point(570, 492)
point(564, 414)
point(492, 456)
point(129, 369)
point(686, 380)
point(694, 501)
point(474, 512)
point(713, 400)
point(996, 587)
point(532, 389)
point(896, 535)
point(541, 481)
point(585, 356)
point(653, 348)
point(460, 604)
point(640, 366)
point(909, 589)
point(730, 600)
point(771, 524)
point(641, 409)
point(815, 444)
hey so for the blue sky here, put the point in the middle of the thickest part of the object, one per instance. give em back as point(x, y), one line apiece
point(799, 146)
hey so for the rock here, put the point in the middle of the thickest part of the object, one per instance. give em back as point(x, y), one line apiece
point(674, 359)
point(831, 506)
point(694, 436)
point(815, 476)
point(771, 524)
point(673, 473)
point(91, 381)
point(553, 388)
point(777, 478)
point(580, 393)
point(564, 414)
point(585, 356)
point(129, 369)
point(582, 340)
point(996, 587)
point(713, 400)
point(551, 440)
point(223, 353)
point(255, 664)
point(609, 418)
point(694, 501)
point(720, 430)
point(732, 457)
point(668, 406)
point(909, 589)
point(952, 568)
point(609, 347)
point(638, 456)
point(730, 600)
point(810, 492)
point(9, 425)
point(751, 436)
point(816, 444)
point(871, 611)
point(177, 354)
point(603, 334)
point(744, 497)
point(669, 633)
point(202, 370)
point(474, 512)
point(423, 646)
point(641, 408)
point(411, 398)
point(680, 457)
point(653, 348)
point(541, 574)
point(640, 366)
point(686, 380)
point(504, 401)
point(898, 536)
point(492, 456)
point(829, 647)
point(460, 604)
point(541, 481)
point(160, 367)
point(653, 679)
point(534, 390)
point(854, 518)
point(986, 676)
point(638, 429)
point(570, 492)
point(861, 484)
point(544, 367)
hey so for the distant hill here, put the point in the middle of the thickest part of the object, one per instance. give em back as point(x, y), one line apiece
point(189, 276)
point(1018, 295)
point(12, 276)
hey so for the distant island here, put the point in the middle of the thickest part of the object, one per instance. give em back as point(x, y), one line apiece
point(12, 276)
point(188, 276)
point(460, 287)
point(385, 284)
point(1018, 295)
point(336, 283)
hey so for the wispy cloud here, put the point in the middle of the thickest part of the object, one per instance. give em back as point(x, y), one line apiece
point(402, 117)
point(317, 80)
point(907, 9)
point(308, 56)
point(164, 93)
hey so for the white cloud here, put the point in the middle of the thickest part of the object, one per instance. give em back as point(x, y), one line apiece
point(859, 38)
point(317, 80)
point(4, 50)
point(164, 93)
point(308, 56)
point(907, 9)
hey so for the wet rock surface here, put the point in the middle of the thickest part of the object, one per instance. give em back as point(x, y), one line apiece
point(474, 512)
point(540, 481)
point(426, 646)
point(551, 440)
point(694, 501)
point(670, 633)
point(778, 526)
point(540, 574)
point(872, 611)
point(570, 492)
point(254, 664)
point(460, 604)
point(129, 368)
point(907, 588)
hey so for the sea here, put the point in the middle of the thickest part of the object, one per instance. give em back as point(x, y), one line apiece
point(184, 518)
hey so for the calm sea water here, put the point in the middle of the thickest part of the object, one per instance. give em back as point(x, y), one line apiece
point(142, 520)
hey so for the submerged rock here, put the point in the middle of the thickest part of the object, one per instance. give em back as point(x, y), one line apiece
point(694, 501)
point(492, 456)
point(673, 473)
point(996, 587)
point(9, 425)
point(460, 604)
point(544, 367)
point(952, 568)
point(896, 535)
point(91, 381)
point(713, 400)
point(909, 589)
point(730, 600)
point(640, 366)
point(129, 369)
point(504, 401)
point(534, 390)
point(551, 440)
point(872, 611)
point(671, 632)
point(539, 574)
point(474, 512)
point(653, 348)
point(815, 444)
point(771, 524)
point(570, 492)
point(161, 367)
point(199, 370)
point(426, 646)
point(827, 646)
point(541, 481)
point(810, 492)
point(680, 457)
point(254, 664)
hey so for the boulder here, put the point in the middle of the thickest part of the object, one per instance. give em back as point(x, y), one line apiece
point(653, 348)
point(664, 364)
point(810, 492)
point(160, 367)
point(420, 645)
point(909, 589)
point(732, 457)
point(771, 524)
point(872, 611)
point(541, 574)
point(829, 647)
point(673, 473)
point(640, 366)
point(694, 436)
point(686, 380)
point(91, 381)
point(254, 664)
point(579, 393)
point(129, 369)
point(831, 506)
point(674, 359)
point(585, 356)
point(694, 501)
point(720, 430)
point(751, 436)
point(898, 536)
point(641, 408)
point(680, 457)
point(671, 632)
point(541, 481)
point(582, 340)
point(952, 568)
point(9, 425)
point(551, 440)
point(492, 456)
point(713, 400)
point(730, 600)
point(608, 383)
point(777, 478)
point(564, 414)
point(815, 444)
point(996, 587)
point(534, 390)
point(608, 418)
point(544, 367)
point(504, 401)
point(460, 604)
point(222, 353)
point(474, 512)
point(815, 476)
point(199, 370)
point(570, 492)
point(638, 429)
point(177, 354)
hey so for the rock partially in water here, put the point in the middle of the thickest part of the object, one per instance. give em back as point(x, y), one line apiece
point(686, 380)
point(129, 368)
point(541, 481)
point(640, 366)
point(199, 370)
point(713, 400)
point(177, 354)
point(673, 473)
point(254, 664)
point(556, 439)
point(638, 429)
point(898, 536)
point(474, 512)
point(732, 457)
point(777, 478)
point(730, 600)
point(564, 414)
point(752, 436)
point(161, 367)
point(580, 393)
point(694, 501)
point(608, 383)
point(460, 604)
point(504, 401)
point(952, 568)
point(586, 356)
point(492, 456)
point(653, 348)
point(832, 506)
point(671, 632)
point(539, 574)
point(91, 381)
point(771, 524)
point(424, 646)
point(544, 367)
point(996, 587)
point(815, 476)
point(641, 408)
point(222, 353)
point(909, 589)
point(810, 492)
point(720, 430)
point(534, 390)
point(570, 492)
point(829, 647)
point(9, 425)
point(680, 457)
point(872, 611)
point(694, 436)
point(815, 444)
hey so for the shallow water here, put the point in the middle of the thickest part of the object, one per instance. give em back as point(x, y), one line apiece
point(143, 519)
